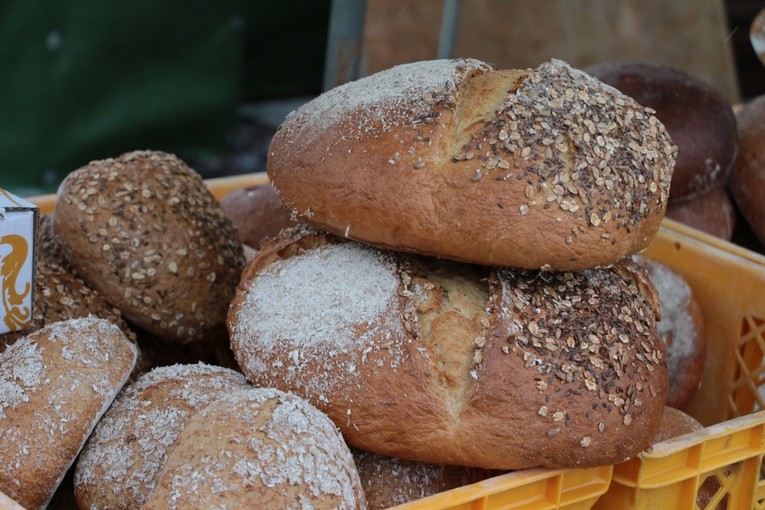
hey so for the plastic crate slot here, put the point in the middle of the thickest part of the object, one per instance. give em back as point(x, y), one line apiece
point(579, 485)
point(540, 495)
point(744, 391)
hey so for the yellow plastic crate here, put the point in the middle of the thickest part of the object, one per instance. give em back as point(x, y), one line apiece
point(726, 457)
point(729, 282)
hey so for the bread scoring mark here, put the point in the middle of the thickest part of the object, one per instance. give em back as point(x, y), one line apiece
point(583, 332)
point(580, 145)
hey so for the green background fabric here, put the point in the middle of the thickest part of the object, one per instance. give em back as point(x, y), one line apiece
point(83, 80)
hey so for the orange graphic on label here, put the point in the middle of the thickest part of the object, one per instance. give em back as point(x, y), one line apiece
point(17, 316)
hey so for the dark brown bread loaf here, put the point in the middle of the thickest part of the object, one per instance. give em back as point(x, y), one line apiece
point(711, 212)
point(119, 465)
point(259, 448)
point(747, 181)
point(146, 233)
point(448, 363)
point(698, 117)
point(542, 168)
point(54, 386)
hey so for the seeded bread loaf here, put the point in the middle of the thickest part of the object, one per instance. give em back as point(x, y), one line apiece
point(698, 117)
point(542, 168)
point(682, 328)
point(259, 448)
point(448, 363)
point(55, 384)
point(119, 465)
point(145, 232)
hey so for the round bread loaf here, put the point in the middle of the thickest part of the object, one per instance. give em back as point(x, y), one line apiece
point(256, 212)
point(388, 481)
point(543, 168)
point(119, 465)
point(259, 448)
point(145, 232)
point(711, 212)
point(747, 181)
point(55, 384)
point(59, 295)
point(435, 361)
point(676, 423)
point(698, 117)
point(682, 328)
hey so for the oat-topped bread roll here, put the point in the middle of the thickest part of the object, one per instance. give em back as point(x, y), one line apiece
point(54, 386)
point(449, 363)
point(146, 233)
point(533, 168)
point(259, 448)
point(388, 481)
point(118, 466)
point(59, 295)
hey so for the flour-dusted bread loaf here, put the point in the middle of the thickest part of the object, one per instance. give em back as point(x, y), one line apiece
point(682, 328)
point(698, 117)
point(388, 481)
point(146, 233)
point(449, 363)
point(55, 384)
point(676, 423)
point(259, 448)
point(119, 465)
point(534, 168)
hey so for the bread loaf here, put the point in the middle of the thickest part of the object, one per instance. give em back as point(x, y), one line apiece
point(146, 233)
point(259, 448)
point(542, 168)
point(711, 212)
point(682, 328)
point(256, 212)
point(119, 465)
point(55, 384)
point(747, 180)
point(448, 363)
point(388, 481)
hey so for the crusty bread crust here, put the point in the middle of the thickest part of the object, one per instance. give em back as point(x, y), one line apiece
point(449, 363)
point(543, 168)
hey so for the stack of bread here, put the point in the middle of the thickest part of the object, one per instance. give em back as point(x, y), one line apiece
point(463, 293)
point(460, 292)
